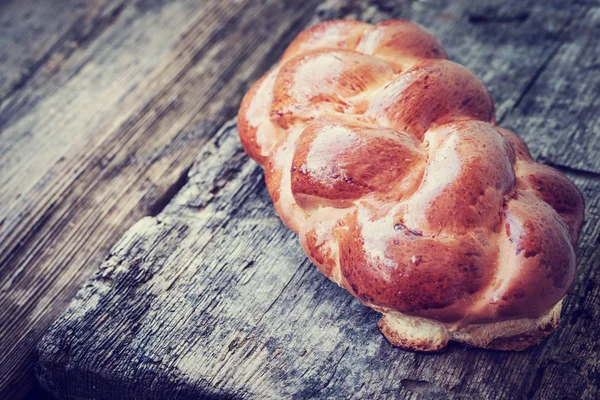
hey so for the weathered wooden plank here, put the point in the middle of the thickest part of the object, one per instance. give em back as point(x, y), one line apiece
point(214, 296)
point(558, 113)
point(89, 150)
point(34, 35)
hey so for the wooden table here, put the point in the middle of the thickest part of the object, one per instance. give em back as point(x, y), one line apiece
point(111, 113)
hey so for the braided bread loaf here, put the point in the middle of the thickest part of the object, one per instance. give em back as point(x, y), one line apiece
point(387, 161)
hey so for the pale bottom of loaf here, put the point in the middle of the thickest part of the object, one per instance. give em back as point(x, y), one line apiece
point(422, 334)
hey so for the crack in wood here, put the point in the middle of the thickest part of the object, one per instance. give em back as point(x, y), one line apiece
point(533, 80)
point(334, 370)
point(301, 267)
point(159, 205)
point(487, 18)
point(569, 170)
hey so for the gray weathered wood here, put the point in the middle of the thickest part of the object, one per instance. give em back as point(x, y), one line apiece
point(36, 35)
point(558, 113)
point(94, 134)
point(214, 296)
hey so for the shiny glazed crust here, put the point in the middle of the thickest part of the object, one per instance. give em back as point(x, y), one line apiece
point(386, 159)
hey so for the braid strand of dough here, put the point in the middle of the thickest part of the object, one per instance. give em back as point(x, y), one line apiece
point(386, 159)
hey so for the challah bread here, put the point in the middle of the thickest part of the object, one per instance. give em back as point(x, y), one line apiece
point(386, 159)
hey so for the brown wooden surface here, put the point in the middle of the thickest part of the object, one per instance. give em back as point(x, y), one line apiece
point(97, 98)
point(214, 297)
point(102, 111)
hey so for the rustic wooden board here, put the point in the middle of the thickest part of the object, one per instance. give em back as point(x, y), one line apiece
point(213, 295)
point(94, 134)
point(33, 34)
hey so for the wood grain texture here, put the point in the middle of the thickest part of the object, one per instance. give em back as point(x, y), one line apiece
point(98, 136)
point(213, 296)
point(34, 35)
point(565, 133)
